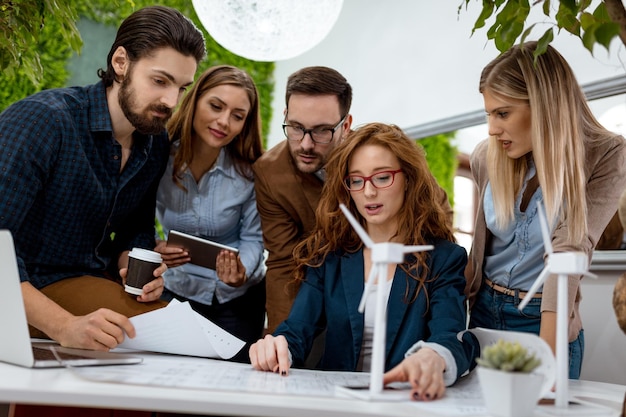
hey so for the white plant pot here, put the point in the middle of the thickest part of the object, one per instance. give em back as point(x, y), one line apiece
point(509, 394)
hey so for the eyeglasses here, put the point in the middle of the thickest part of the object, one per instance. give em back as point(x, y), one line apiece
point(320, 135)
point(382, 179)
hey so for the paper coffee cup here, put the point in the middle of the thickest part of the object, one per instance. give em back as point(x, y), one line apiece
point(141, 266)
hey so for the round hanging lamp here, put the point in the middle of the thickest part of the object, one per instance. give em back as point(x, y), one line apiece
point(268, 30)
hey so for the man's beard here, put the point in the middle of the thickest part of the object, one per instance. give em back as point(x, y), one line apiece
point(308, 168)
point(144, 123)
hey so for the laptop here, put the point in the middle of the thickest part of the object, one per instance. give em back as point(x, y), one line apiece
point(17, 347)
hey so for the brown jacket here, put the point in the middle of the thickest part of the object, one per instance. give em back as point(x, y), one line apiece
point(286, 200)
point(606, 180)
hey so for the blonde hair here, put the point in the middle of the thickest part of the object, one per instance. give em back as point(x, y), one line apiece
point(561, 126)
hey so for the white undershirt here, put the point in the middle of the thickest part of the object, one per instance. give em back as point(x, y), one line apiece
point(365, 358)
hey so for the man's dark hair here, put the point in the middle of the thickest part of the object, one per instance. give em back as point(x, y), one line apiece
point(152, 28)
point(318, 81)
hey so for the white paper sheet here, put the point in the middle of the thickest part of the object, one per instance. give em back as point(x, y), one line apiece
point(210, 374)
point(179, 330)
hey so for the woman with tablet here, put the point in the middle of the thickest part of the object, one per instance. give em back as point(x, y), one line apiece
point(383, 178)
point(208, 192)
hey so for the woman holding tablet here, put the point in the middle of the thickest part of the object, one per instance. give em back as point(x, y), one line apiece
point(208, 192)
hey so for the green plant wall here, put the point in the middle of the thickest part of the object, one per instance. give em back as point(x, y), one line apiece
point(55, 53)
point(441, 156)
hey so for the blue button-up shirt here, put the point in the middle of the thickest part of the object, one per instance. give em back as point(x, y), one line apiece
point(62, 195)
point(220, 207)
point(515, 257)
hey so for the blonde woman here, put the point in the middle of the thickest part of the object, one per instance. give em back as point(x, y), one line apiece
point(544, 146)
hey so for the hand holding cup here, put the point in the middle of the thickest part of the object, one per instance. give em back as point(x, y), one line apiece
point(141, 266)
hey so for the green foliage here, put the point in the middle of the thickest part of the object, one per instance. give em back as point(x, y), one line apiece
point(54, 52)
point(24, 23)
point(509, 357)
point(52, 25)
point(441, 156)
point(595, 26)
point(261, 72)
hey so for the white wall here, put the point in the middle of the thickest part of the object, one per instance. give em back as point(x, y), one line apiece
point(413, 61)
point(605, 343)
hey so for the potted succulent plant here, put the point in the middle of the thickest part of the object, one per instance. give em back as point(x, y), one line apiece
point(510, 388)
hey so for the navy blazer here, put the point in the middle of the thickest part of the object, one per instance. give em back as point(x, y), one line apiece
point(329, 297)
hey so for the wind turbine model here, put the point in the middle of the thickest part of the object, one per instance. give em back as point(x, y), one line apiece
point(383, 254)
point(561, 264)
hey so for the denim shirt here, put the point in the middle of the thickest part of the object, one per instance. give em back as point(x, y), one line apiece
point(62, 195)
point(515, 257)
point(220, 207)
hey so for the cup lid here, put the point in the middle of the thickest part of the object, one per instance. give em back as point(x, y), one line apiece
point(146, 255)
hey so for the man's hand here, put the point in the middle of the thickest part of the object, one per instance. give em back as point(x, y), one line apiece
point(103, 329)
point(270, 354)
point(151, 291)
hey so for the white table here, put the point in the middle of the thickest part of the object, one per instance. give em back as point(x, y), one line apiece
point(64, 387)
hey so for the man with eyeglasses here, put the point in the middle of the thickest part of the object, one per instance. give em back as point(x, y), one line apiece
point(289, 177)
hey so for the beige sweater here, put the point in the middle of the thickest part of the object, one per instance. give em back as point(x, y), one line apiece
point(606, 180)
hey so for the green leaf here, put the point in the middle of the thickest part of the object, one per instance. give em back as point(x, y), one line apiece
point(567, 20)
point(605, 33)
point(546, 7)
point(543, 42)
point(485, 14)
point(601, 13)
point(583, 5)
point(511, 33)
point(587, 20)
point(570, 5)
point(510, 26)
point(589, 39)
point(493, 31)
point(526, 33)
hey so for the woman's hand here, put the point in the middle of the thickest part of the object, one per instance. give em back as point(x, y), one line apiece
point(271, 354)
point(229, 269)
point(424, 370)
point(172, 256)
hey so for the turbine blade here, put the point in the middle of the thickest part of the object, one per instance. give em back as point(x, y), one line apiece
point(357, 227)
point(545, 232)
point(590, 275)
point(417, 248)
point(533, 289)
point(368, 287)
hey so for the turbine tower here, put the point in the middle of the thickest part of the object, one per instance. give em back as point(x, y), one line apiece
point(561, 264)
point(382, 254)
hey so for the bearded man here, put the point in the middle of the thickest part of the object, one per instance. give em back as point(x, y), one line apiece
point(79, 169)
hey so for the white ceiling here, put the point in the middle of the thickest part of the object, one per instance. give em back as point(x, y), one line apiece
point(413, 61)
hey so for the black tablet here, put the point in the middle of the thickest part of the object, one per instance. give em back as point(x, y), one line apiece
point(203, 252)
